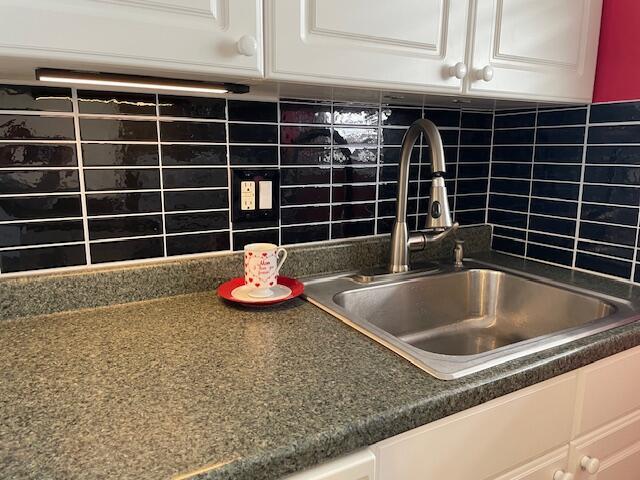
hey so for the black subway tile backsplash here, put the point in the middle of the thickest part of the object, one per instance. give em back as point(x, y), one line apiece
point(156, 171)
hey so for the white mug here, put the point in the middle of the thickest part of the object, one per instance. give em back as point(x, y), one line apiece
point(261, 267)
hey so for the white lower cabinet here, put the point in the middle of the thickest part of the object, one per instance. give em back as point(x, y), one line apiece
point(584, 425)
point(485, 441)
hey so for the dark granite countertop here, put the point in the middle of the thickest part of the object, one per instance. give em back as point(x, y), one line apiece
point(188, 386)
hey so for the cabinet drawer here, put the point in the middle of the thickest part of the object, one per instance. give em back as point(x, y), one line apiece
point(616, 446)
point(357, 466)
point(541, 468)
point(608, 391)
point(486, 440)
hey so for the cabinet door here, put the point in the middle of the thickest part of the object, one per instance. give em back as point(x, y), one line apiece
point(543, 468)
point(403, 44)
point(543, 49)
point(616, 447)
point(357, 466)
point(144, 36)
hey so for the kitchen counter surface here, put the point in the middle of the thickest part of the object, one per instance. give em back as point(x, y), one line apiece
point(188, 386)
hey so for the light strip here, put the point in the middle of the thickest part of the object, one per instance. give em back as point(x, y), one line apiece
point(135, 81)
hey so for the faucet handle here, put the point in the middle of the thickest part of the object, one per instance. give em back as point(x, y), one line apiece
point(458, 253)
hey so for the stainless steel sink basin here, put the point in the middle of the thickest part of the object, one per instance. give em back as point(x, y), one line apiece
point(454, 322)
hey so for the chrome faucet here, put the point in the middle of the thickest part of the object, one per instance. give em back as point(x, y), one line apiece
point(439, 224)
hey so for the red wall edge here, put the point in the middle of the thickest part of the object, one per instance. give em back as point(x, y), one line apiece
point(618, 69)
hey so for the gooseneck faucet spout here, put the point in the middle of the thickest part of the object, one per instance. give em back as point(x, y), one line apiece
point(439, 223)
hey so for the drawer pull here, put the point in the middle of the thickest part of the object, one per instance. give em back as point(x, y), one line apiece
point(562, 475)
point(590, 464)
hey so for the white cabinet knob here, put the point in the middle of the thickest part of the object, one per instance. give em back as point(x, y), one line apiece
point(486, 73)
point(562, 475)
point(247, 45)
point(590, 464)
point(459, 70)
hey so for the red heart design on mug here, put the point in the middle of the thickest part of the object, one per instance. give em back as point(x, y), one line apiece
point(251, 280)
point(264, 254)
point(250, 253)
point(270, 283)
point(257, 284)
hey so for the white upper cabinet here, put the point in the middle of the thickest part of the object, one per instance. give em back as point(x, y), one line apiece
point(543, 49)
point(401, 44)
point(144, 36)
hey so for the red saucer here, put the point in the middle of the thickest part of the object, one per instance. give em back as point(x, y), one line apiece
point(226, 288)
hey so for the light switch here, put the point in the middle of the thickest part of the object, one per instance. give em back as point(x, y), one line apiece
point(266, 196)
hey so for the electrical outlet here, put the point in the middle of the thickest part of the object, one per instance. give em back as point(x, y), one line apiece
point(255, 197)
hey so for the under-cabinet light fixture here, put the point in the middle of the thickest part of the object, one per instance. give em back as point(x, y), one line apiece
point(135, 81)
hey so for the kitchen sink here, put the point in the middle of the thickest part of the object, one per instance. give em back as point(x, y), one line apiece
point(455, 321)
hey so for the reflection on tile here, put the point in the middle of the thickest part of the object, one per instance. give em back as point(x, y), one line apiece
point(516, 120)
point(195, 222)
point(38, 181)
point(560, 226)
point(352, 229)
point(197, 243)
point(121, 130)
point(194, 107)
point(304, 113)
point(608, 233)
point(304, 234)
point(194, 177)
point(116, 227)
point(507, 245)
point(574, 135)
point(104, 154)
point(28, 208)
point(353, 115)
point(127, 250)
point(194, 155)
point(346, 135)
point(550, 254)
point(304, 195)
point(119, 203)
point(347, 211)
point(443, 117)
point(116, 103)
point(196, 200)
point(616, 175)
point(470, 217)
point(573, 116)
point(558, 153)
point(240, 239)
point(568, 173)
point(25, 97)
point(614, 134)
point(611, 194)
point(304, 176)
point(568, 191)
point(305, 135)
point(305, 156)
point(620, 252)
point(603, 213)
point(252, 133)
point(31, 127)
point(629, 155)
point(313, 214)
point(121, 179)
point(210, 132)
point(476, 120)
point(392, 136)
point(474, 154)
point(37, 155)
point(552, 207)
point(354, 155)
point(354, 175)
point(38, 258)
point(241, 110)
point(475, 137)
point(34, 233)
point(508, 137)
point(392, 155)
point(609, 266)
point(513, 154)
point(615, 112)
point(262, 155)
point(354, 193)
point(400, 116)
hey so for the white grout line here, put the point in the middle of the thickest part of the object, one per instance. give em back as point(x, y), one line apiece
point(161, 177)
point(83, 194)
point(229, 176)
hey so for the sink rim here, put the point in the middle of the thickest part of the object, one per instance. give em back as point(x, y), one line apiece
point(448, 367)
